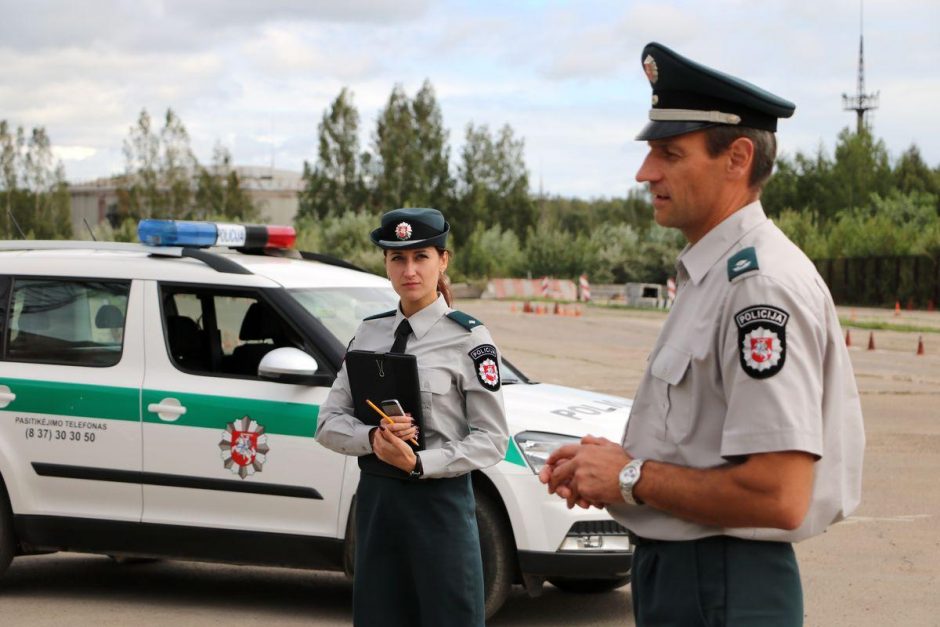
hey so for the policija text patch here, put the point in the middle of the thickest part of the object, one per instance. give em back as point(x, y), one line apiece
point(763, 339)
point(486, 365)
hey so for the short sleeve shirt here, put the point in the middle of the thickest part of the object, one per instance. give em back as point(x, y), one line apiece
point(458, 370)
point(750, 360)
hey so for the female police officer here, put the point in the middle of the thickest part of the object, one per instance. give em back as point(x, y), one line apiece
point(417, 546)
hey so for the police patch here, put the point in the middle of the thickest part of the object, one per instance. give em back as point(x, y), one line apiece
point(486, 365)
point(762, 339)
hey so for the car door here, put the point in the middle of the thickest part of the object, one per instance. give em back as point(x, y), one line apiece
point(71, 367)
point(222, 447)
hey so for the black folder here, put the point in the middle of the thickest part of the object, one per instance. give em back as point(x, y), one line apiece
point(380, 376)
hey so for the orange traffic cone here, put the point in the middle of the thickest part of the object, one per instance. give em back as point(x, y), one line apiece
point(897, 308)
point(920, 344)
point(871, 341)
point(848, 337)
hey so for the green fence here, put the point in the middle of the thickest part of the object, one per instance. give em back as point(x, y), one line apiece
point(912, 281)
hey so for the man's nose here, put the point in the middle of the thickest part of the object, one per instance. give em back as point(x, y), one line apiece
point(647, 171)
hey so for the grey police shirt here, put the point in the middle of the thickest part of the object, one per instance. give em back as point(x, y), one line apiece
point(751, 359)
point(458, 370)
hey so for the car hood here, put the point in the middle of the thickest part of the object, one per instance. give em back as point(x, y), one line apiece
point(568, 411)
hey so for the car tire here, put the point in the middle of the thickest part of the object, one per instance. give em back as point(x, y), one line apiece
point(7, 537)
point(498, 549)
point(588, 586)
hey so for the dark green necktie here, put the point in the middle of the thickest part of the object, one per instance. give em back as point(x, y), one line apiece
point(401, 337)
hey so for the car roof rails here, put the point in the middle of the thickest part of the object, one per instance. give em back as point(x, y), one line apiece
point(219, 263)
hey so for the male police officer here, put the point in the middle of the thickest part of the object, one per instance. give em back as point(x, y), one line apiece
point(746, 431)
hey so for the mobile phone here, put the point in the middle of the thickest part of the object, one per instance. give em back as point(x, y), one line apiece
point(392, 407)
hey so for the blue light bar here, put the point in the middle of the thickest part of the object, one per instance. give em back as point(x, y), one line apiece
point(177, 233)
point(203, 234)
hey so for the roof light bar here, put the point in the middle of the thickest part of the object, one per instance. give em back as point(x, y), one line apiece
point(204, 234)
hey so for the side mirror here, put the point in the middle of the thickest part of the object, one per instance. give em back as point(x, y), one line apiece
point(288, 364)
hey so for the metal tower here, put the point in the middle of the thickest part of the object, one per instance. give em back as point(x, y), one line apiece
point(860, 102)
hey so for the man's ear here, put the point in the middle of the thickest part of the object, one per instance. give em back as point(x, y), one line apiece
point(740, 158)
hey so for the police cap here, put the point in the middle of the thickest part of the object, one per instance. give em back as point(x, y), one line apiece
point(688, 97)
point(411, 228)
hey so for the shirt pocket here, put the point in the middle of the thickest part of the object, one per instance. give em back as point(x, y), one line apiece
point(436, 385)
point(668, 370)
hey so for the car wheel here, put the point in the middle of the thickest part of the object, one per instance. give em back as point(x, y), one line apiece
point(496, 544)
point(7, 539)
point(588, 586)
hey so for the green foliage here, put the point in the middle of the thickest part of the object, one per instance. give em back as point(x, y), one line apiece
point(163, 178)
point(335, 183)
point(219, 191)
point(345, 236)
point(493, 181)
point(488, 253)
point(34, 196)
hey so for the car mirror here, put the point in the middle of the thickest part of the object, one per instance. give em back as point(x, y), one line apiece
point(288, 364)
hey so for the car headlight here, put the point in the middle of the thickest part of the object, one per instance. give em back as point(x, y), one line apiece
point(537, 446)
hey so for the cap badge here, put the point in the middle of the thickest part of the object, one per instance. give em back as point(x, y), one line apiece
point(403, 231)
point(652, 71)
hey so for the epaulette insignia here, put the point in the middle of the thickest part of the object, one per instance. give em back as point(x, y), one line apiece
point(742, 262)
point(467, 322)
point(384, 314)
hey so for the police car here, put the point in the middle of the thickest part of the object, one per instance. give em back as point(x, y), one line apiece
point(160, 400)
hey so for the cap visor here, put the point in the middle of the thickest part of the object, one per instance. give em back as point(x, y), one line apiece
point(662, 130)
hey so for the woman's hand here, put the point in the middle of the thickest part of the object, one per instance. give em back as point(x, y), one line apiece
point(391, 449)
point(404, 427)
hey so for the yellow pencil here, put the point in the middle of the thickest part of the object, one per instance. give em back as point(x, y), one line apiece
point(390, 421)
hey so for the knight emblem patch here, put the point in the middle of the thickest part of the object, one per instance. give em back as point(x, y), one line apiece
point(244, 447)
point(403, 231)
point(486, 365)
point(762, 339)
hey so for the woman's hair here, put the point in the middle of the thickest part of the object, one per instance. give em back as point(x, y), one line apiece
point(443, 283)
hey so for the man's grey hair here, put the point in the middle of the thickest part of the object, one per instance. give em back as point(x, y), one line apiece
point(719, 138)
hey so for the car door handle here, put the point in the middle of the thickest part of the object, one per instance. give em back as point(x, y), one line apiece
point(6, 396)
point(168, 409)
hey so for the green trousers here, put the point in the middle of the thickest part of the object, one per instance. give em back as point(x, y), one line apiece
point(716, 582)
point(418, 561)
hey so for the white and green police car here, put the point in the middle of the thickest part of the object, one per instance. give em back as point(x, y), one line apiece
point(160, 400)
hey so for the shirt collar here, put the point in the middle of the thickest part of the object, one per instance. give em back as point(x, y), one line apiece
point(705, 253)
point(422, 321)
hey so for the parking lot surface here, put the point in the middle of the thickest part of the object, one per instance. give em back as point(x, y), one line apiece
point(881, 567)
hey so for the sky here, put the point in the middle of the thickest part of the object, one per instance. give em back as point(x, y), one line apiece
point(256, 77)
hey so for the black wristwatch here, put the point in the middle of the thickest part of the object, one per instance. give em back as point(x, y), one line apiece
point(418, 471)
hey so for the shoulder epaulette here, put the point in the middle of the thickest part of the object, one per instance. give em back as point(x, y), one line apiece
point(384, 314)
point(466, 321)
point(742, 262)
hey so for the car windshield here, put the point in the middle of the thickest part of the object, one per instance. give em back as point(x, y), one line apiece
point(341, 309)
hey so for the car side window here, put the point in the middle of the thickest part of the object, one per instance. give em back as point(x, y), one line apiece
point(70, 322)
point(222, 332)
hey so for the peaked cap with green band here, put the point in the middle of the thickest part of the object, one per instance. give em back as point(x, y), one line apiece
point(688, 96)
point(411, 228)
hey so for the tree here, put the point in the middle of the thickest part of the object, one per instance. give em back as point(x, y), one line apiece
point(219, 192)
point(396, 162)
point(335, 183)
point(178, 166)
point(493, 181)
point(434, 184)
point(139, 194)
point(159, 171)
point(10, 146)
